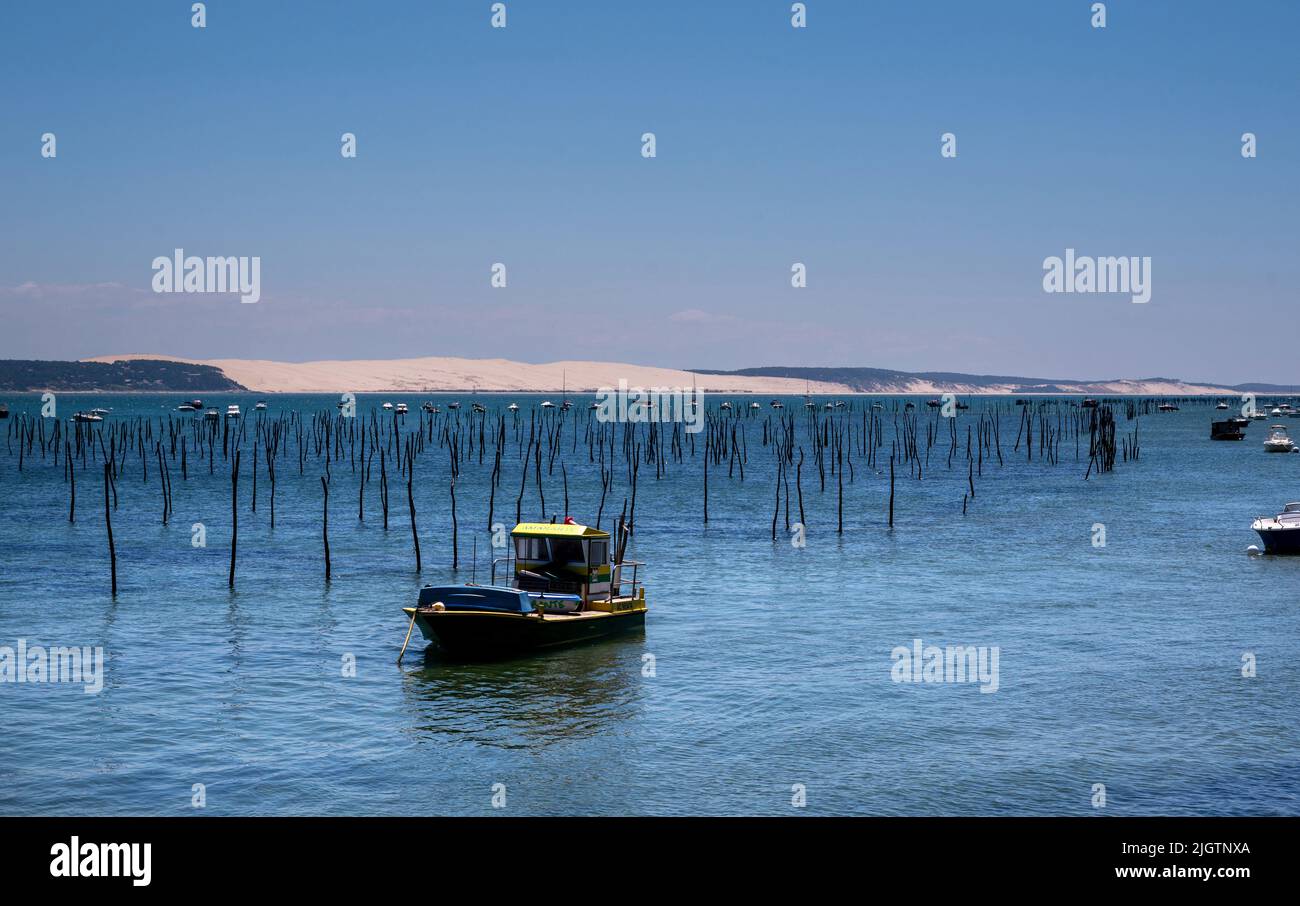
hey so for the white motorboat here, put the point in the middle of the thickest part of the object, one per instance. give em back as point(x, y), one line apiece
point(401, 409)
point(1278, 440)
point(1280, 533)
point(232, 411)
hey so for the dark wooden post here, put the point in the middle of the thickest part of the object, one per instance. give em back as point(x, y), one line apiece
point(108, 524)
point(234, 516)
point(325, 523)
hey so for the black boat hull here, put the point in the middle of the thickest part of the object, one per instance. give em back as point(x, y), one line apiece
point(1280, 541)
point(487, 634)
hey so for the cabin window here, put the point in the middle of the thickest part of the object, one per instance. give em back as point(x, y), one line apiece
point(599, 553)
point(531, 549)
point(566, 550)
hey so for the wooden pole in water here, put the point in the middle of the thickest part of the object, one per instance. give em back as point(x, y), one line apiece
point(72, 476)
point(410, 500)
point(891, 490)
point(270, 473)
point(383, 486)
point(234, 516)
point(839, 474)
point(455, 531)
point(798, 486)
point(325, 523)
point(407, 640)
point(108, 524)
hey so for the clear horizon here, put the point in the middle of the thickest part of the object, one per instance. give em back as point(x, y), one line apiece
point(775, 145)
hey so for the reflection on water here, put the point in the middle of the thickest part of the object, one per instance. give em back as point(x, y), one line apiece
point(531, 701)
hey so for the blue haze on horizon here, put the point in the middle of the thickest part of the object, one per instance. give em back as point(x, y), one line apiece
point(775, 145)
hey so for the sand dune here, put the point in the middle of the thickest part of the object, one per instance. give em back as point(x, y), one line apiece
point(486, 375)
point(496, 375)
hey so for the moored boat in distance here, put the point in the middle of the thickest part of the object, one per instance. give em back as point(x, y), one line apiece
point(1280, 533)
point(232, 411)
point(453, 406)
point(87, 417)
point(261, 406)
point(212, 415)
point(4, 411)
point(1167, 407)
point(1226, 430)
point(401, 409)
point(564, 589)
point(1278, 440)
point(513, 407)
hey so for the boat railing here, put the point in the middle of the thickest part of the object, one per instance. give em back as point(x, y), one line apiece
point(617, 578)
point(509, 568)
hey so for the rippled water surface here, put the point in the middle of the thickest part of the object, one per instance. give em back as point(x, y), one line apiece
point(1119, 665)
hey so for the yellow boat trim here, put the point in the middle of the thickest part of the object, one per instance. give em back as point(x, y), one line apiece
point(557, 530)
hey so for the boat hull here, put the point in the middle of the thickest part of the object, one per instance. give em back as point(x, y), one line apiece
point(489, 634)
point(1280, 540)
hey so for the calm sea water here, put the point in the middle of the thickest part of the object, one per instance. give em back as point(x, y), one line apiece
point(1119, 665)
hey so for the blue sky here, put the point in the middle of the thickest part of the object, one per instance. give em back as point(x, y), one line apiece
point(775, 145)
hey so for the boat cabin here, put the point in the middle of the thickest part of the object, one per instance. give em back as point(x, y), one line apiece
point(1226, 430)
point(564, 558)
